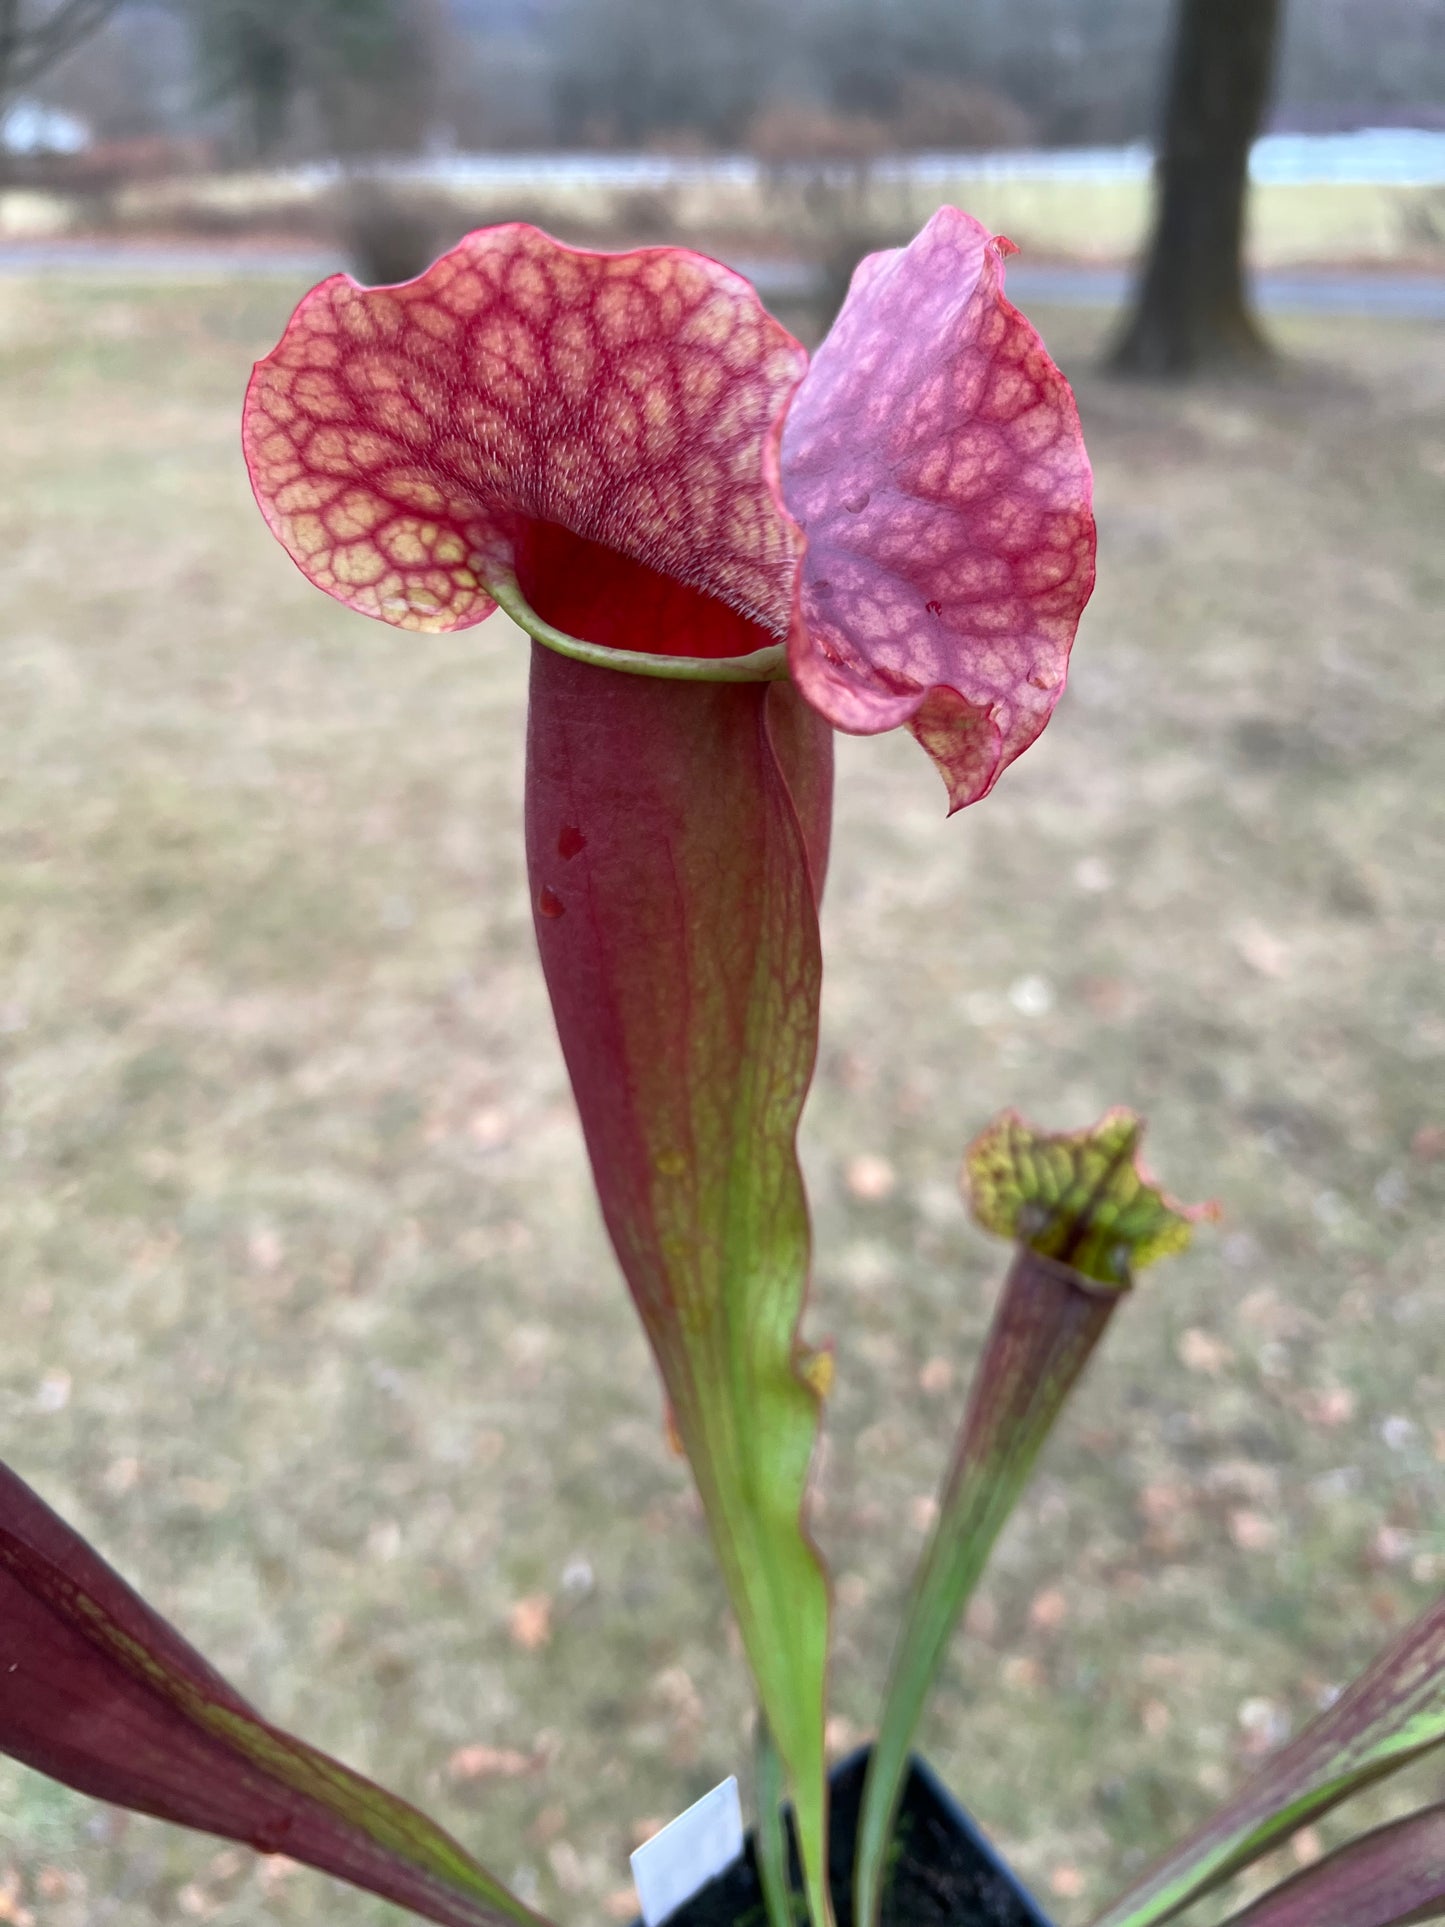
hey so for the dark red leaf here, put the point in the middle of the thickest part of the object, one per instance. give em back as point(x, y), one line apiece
point(1392, 1714)
point(97, 1691)
point(1388, 1878)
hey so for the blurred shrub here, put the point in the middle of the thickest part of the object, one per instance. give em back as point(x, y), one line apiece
point(629, 71)
point(931, 111)
point(643, 214)
point(1422, 217)
point(823, 190)
point(389, 233)
point(792, 133)
point(935, 112)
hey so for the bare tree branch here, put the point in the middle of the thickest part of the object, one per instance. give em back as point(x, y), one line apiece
point(9, 40)
point(29, 51)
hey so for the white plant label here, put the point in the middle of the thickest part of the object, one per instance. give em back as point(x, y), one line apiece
point(676, 1863)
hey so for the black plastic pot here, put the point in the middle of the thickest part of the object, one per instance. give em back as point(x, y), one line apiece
point(944, 1872)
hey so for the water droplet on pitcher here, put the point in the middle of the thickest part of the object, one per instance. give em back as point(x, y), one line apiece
point(549, 904)
point(857, 502)
point(571, 842)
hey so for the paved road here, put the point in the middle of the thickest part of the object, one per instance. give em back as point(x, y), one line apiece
point(1405, 297)
point(147, 259)
point(1386, 293)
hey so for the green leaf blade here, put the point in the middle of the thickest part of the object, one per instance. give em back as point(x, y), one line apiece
point(1390, 1877)
point(774, 1871)
point(1392, 1714)
point(679, 939)
point(1083, 1215)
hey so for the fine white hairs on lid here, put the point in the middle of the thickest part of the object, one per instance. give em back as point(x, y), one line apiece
point(678, 1862)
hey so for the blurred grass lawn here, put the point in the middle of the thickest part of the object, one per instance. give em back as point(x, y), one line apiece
point(308, 1317)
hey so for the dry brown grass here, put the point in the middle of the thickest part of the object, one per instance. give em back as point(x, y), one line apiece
point(309, 1319)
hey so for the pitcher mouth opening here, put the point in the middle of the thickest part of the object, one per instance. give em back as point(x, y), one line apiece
point(594, 603)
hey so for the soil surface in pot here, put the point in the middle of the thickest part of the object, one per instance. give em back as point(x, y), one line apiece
point(944, 1873)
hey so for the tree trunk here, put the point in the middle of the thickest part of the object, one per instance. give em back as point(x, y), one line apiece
point(1192, 313)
